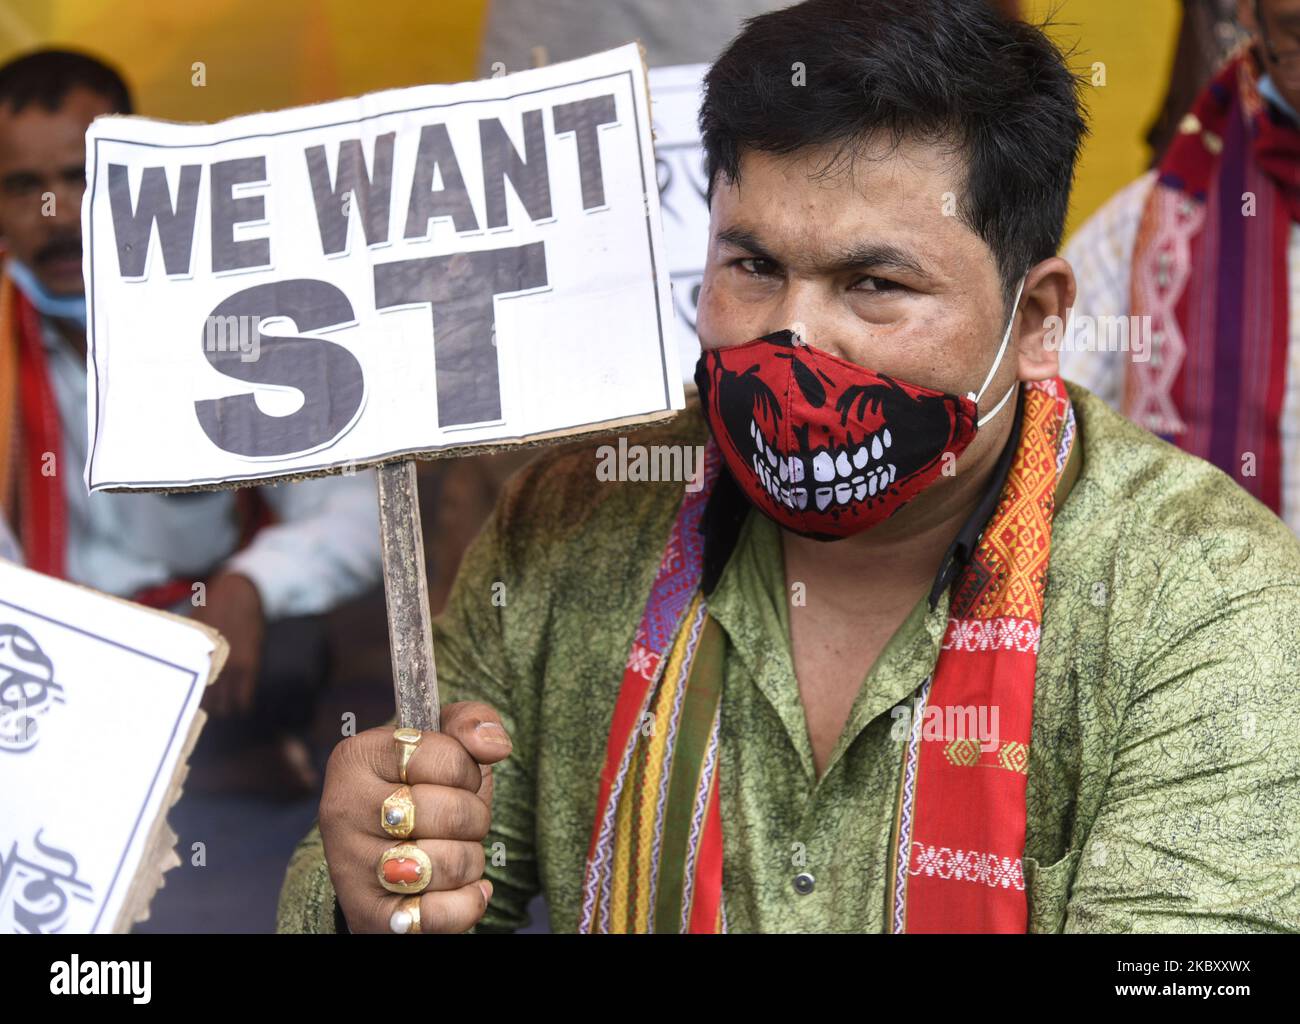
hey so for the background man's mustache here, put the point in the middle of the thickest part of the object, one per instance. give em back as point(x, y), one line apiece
point(59, 249)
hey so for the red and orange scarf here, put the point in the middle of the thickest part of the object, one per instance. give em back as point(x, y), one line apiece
point(655, 860)
point(1210, 269)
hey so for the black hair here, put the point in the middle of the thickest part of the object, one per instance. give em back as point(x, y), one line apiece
point(942, 71)
point(46, 77)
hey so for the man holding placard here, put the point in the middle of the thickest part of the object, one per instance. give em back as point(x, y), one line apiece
point(941, 644)
point(202, 553)
point(936, 642)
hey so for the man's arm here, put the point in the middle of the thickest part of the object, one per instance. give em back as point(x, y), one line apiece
point(477, 661)
point(474, 662)
point(307, 904)
point(323, 551)
point(1199, 827)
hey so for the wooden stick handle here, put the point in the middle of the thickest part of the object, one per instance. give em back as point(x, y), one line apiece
point(410, 637)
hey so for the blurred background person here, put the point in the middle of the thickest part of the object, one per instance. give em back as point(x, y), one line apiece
point(259, 566)
point(1201, 255)
point(1208, 33)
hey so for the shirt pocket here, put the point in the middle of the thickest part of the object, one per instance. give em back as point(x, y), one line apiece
point(1047, 890)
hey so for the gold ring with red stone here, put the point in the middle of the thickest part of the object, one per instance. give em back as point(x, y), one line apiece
point(405, 868)
point(398, 814)
point(405, 920)
point(407, 741)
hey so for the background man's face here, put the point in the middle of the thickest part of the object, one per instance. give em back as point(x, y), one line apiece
point(1282, 27)
point(42, 178)
point(872, 262)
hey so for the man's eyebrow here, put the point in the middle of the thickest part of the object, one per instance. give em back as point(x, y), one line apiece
point(741, 238)
point(882, 255)
point(867, 255)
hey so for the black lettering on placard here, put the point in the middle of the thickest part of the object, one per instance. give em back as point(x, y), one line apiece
point(27, 689)
point(461, 287)
point(584, 118)
point(132, 228)
point(327, 374)
point(227, 211)
point(371, 193)
point(435, 152)
point(528, 174)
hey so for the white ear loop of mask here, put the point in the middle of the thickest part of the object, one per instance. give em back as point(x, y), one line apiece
point(1006, 337)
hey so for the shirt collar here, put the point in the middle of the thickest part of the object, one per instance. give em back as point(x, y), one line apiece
point(727, 507)
point(959, 552)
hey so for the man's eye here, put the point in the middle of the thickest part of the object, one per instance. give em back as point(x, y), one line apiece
point(757, 266)
point(878, 284)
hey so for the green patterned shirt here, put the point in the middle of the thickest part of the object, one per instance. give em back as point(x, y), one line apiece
point(1164, 773)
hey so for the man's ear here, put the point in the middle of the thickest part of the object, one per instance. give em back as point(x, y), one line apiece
point(1043, 319)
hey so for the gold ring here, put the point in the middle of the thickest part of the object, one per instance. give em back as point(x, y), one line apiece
point(405, 868)
point(398, 814)
point(406, 918)
point(407, 741)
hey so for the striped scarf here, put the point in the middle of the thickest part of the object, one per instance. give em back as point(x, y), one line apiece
point(654, 863)
point(1210, 269)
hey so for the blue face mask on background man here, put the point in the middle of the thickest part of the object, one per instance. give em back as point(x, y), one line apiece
point(1269, 90)
point(63, 307)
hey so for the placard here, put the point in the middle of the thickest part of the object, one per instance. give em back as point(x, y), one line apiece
point(416, 271)
point(99, 708)
point(676, 92)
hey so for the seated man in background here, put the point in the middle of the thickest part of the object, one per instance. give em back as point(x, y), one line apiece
point(273, 557)
point(1188, 313)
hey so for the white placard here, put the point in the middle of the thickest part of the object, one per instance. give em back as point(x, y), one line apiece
point(683, 195)
point(97, 699)
point(412, 271)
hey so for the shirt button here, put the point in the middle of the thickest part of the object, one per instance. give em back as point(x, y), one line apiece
point(803, 883)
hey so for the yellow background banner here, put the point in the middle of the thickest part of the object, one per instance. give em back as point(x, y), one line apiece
point(269, 54)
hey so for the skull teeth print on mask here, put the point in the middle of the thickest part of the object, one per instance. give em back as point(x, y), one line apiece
point(825, 447)
point(856, 472)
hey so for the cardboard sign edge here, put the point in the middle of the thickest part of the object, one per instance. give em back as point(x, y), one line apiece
point(556, 437)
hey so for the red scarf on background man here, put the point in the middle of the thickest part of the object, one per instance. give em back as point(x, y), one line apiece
point(32, 498)
point(31, 489)
point(1210, 269)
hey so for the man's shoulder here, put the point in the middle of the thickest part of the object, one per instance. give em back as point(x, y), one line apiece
point(1155, 500)
point(623, 483)
point(583, 458)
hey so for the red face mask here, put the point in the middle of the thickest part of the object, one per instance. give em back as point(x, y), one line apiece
point(823, 446)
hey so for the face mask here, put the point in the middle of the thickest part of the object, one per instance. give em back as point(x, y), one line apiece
point(63, 307)
point(1269, 90)
point(824, 447)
